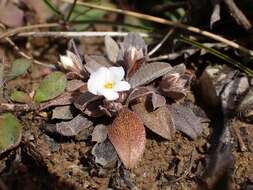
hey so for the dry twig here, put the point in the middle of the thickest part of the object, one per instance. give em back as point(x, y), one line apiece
point(167, 22)
point(24, 28)
point(27, 56)
point(238, 15)
point(76, 34)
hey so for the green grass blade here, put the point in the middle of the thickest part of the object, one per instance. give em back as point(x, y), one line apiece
point(53, 8)
point(71, 10)
point(218, 54)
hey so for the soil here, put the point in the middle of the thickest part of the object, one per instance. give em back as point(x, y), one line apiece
point(43, 162)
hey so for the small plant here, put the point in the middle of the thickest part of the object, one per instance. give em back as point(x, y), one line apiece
point(130, 90)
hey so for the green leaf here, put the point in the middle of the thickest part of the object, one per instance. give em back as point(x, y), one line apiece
point(19, 67)
point(10, 132)
point(52, 86)
point(143, 26)
point(20, 96)
point(81, 13)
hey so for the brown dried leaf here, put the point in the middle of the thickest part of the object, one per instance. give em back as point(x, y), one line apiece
point(148, 73)
point(159, 121)
point(73, 127)
point(112, 49)
point(11, 15)
point(127, 135)
point(40, 8)
point(215, 17)
point(62, 112)
point(185, 120)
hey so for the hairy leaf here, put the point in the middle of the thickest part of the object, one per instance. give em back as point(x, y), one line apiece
point(186, 121)
point(51, 86)
point(157, 101)
point(90, 64)
point(20, 96)
point(65, 98)
point(139, 92)
point(19, 67)
point(127, 135)
point(133, 40)
point(112, 49)
point(83, 99)
point(148, 73)
point(10, 132)
point(159, 121)
point(73, 85)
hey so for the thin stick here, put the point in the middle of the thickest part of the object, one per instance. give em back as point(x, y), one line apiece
point(76, 34)
point(27, 56)
point(15, 107)
point(20, 29)
point(161, 43)
point(167, 22)
point(238, 15)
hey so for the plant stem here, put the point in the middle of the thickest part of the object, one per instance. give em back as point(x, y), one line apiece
point(71, 10)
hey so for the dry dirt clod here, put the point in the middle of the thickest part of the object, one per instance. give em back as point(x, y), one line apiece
point(105, 154)
point(245, 108)
point(62, 112)
point(72, 127)
point(99, 133)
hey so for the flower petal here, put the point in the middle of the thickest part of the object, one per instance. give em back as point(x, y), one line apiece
point(117, 73)
point(101, 73)
point(121, 86)
point(93, 86)
point(108, 94)
point(66, 61)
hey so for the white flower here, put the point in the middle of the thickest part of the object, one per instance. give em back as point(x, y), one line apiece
point(108, 82)
point(66, 61)
point(71, 62)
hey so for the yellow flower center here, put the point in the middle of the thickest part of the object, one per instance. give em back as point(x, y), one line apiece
point(108, 85)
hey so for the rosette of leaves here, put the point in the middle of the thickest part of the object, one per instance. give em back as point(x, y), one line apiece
point(153, 85)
